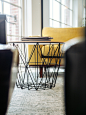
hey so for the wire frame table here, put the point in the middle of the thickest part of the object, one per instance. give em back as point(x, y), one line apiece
point(29, 76)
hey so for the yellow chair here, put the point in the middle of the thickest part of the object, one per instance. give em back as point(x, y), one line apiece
point(59, 35)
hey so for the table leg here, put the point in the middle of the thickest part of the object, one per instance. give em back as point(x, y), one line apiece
point(41, 72)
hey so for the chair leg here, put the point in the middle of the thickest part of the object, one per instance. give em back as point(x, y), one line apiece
point(44, 68)
point(41, 72)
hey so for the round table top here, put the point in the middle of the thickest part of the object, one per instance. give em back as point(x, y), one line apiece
point(36, 42)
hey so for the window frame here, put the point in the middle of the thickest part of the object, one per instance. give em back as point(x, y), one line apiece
point(60, 22)
point(20, 7)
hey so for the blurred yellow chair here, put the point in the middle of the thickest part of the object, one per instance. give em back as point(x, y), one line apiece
point(59, 35)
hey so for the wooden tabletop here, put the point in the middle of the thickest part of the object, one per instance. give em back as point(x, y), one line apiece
point(35, 42)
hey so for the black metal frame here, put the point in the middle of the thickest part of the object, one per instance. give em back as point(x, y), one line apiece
point(27, 79)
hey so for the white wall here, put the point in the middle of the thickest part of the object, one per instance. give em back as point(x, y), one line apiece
point(80, 13)
point(31, 17)
point(77, 13)
point(45, 13)
point(36, 17)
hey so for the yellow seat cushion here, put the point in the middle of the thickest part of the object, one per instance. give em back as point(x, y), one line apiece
point(51, 50)
point(32, 55)
point(52, 61)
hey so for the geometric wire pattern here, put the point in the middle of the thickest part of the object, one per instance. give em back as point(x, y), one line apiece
point(29, 76)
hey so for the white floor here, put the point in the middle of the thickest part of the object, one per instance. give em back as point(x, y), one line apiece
point(41, 102)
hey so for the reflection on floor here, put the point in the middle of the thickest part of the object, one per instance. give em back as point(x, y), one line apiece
point(41, 102)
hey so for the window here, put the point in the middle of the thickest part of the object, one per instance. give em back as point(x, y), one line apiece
point(12, 8)
point(84, 13)
point(60, 13)
point(0, 7)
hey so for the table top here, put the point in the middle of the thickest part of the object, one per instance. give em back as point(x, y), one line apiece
point(36, 42)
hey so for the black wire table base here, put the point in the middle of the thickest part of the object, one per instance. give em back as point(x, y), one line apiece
point(29, 77)
point(31, 81)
